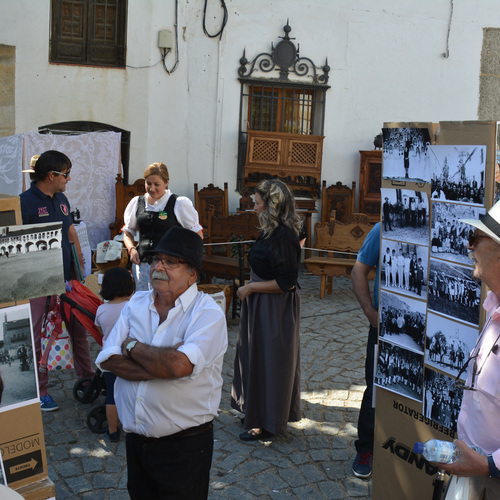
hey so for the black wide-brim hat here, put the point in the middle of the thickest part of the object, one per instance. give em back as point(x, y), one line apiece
point(182, 243)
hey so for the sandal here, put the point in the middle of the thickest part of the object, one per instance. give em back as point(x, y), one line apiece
point(255, 435)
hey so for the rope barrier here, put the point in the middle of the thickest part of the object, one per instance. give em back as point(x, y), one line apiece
point(238, 242)
point(330, 251)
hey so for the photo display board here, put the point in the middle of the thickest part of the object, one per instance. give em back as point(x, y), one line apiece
point(430, 310)
point(23, 250)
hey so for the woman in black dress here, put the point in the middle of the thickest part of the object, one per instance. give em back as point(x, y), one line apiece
point(266, 384)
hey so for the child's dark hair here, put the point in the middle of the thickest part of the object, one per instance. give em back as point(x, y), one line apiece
point(117, 282)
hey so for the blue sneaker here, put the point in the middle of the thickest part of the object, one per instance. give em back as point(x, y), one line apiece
point(48, 404)
point(363, 464)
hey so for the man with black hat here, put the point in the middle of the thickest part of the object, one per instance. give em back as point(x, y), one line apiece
point(477, 473)
point(167, 350)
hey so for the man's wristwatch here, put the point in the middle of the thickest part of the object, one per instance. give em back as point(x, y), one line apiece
point(494, 472)
point(129, 348)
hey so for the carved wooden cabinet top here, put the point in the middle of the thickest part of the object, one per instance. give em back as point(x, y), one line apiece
point(293, 158)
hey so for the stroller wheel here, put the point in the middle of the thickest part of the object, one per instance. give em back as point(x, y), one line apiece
point(85, 391)
point(96, 419)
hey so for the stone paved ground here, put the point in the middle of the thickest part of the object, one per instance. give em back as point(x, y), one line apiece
point(312, 461)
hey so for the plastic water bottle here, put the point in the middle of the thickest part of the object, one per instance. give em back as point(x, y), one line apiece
point(444, 452)
point(438, 451)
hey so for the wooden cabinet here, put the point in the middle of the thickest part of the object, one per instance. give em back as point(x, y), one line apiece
point(370, 178)
point(294, 158)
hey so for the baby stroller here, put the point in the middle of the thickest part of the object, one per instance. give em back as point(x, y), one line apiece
point(83, 303)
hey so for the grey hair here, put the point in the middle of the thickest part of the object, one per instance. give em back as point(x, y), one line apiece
point(279, 207)
point(190, 269)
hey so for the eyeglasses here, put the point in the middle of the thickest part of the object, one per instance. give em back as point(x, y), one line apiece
point(167, 262)
point(65, 174)
point(460, 384)
point(475, 236)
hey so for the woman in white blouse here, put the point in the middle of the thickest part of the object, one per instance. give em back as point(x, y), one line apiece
point(149, 217)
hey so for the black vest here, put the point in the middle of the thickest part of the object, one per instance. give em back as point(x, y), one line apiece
point(153, 225)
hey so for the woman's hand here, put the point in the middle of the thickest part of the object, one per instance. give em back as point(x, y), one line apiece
point(134, 256)
point(244, 291)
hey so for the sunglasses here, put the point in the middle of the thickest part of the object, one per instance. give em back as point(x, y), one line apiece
point(65, 175)
point(475, 236)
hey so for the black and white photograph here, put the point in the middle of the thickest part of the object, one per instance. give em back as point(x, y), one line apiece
point(453, 291)
point(402, 321)
point(405, 215)
point(442, 399)
point(31, 262)
point(449, 236)
point(17, 364)
point(405, 154)
point(458, 173)
point(403, 268)
point(448, 344)
point(400, 370)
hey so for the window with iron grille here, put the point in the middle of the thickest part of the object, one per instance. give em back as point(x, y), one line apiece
point(279, 109)
point(293, 108)
point(88, 32)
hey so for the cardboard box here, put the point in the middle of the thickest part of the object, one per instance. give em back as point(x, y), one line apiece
point(22, 445)
point(10, 210)
point(41, 490)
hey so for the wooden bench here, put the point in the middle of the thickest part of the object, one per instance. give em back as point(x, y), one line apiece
point(343, 240)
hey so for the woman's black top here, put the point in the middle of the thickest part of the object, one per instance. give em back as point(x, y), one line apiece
point(153, 225)
point(277, 257)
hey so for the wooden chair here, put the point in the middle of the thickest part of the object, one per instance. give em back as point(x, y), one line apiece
point(242, 226)
point(337, 201)
point(124, 193)
point(211, 196)
point(232, 264)
point(343, 240)
point(246, 201)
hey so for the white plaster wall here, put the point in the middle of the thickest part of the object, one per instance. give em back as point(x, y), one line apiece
point(385, 57)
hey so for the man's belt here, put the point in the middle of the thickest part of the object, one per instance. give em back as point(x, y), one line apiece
point(192, 431)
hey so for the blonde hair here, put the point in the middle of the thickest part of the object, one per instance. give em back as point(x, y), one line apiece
point(157, 168)
point(279, 207)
